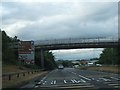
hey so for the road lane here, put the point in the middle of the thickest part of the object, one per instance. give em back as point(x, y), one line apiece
point(63, 78)
point(71, 77)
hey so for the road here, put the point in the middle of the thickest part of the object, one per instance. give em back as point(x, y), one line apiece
point(71, 78)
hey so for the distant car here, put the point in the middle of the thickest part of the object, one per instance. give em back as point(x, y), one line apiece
point(60, 67)
point(98, 65)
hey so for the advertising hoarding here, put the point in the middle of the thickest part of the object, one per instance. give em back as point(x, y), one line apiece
point(26, 52)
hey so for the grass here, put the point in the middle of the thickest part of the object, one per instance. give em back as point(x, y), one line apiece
point(13, 68)
point(15, 82)
point(112, 69)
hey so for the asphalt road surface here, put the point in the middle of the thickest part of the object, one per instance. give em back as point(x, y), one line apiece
point(71, 78)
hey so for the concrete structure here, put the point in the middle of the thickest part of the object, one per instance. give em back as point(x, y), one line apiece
point(74, 43)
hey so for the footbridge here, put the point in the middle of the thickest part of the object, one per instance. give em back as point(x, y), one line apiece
point(73, 43)
point(76, 43)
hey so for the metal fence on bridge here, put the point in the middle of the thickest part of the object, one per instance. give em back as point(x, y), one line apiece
point(74, 40)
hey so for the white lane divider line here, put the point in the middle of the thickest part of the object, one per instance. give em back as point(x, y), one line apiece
point(65, 81)
point(82, 80)
point(74, 73)
point(44, 82)
point(84, 77)
point(36, 86)
point(79, 81)
point(105, 79)
point(114, 84)
point(39, 83)
point(41, 80)
point(53, 82)
point(72, 81)
point(93, 78)
point(75, 81)
point(114, 78)
point(98, 80)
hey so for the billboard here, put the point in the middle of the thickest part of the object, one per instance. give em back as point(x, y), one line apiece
point(26, 52)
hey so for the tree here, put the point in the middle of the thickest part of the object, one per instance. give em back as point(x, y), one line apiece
point(49, 60)
point(67, 63)
point(109, 56)
point(8, 55)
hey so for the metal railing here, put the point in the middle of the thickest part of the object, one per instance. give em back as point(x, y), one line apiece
point(10, 76)
point(74, 40)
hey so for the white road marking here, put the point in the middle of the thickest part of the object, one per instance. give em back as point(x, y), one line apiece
point(79, 81)
point(117, 86)
point(114, 84)
point(51, 82)
point(36, 86)
point(54, 81)
point(85, 77)
point(82, 80)
point(44, 78)
point(75, 81)
point(74, 73)
point(98, 80)
point(39, 82)
point(105, 79)
point(44, 82)
point(114, 78)
point(72, 81)
point(65, 81)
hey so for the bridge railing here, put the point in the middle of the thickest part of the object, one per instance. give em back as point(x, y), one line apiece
point(75, 40)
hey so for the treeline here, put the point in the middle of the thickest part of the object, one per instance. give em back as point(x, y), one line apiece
point(110, 56)
point(10, 55)
point(65, 63)
point(49, 60)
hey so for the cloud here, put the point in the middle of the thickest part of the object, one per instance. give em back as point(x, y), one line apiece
point(77, 54)
point(34, 20)
point(60, 20)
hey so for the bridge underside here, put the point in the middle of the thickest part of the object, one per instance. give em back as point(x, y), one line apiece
point(79, 46)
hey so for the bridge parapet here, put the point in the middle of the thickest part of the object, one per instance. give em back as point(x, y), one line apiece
point(74, 40)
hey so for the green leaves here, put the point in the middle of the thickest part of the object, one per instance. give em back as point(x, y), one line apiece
point(109, 56)
point(49, 60)
point(8, 54)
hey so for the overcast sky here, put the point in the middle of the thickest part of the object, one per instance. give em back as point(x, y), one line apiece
point(64, 19)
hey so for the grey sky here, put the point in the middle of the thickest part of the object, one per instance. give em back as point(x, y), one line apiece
point(52, 20)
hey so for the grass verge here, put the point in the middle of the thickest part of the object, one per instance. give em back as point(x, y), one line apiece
point(111, 69)
point(15, 83)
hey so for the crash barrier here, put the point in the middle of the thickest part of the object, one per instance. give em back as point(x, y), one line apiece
point(10, 76)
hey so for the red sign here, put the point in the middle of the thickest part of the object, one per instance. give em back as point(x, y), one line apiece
point(26, 47)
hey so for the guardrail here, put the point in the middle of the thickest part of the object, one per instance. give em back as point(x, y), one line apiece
point(10, 76)
point(74, 40)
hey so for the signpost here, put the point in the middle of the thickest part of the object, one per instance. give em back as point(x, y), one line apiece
point(26, 52)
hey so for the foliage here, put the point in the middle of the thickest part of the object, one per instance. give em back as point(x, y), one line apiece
point(109, 56)
point(49, 61)
point(94, 58)
point(8, 54)
point(65, 63)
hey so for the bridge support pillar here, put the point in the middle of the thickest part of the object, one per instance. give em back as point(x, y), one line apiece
point(42, 58)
